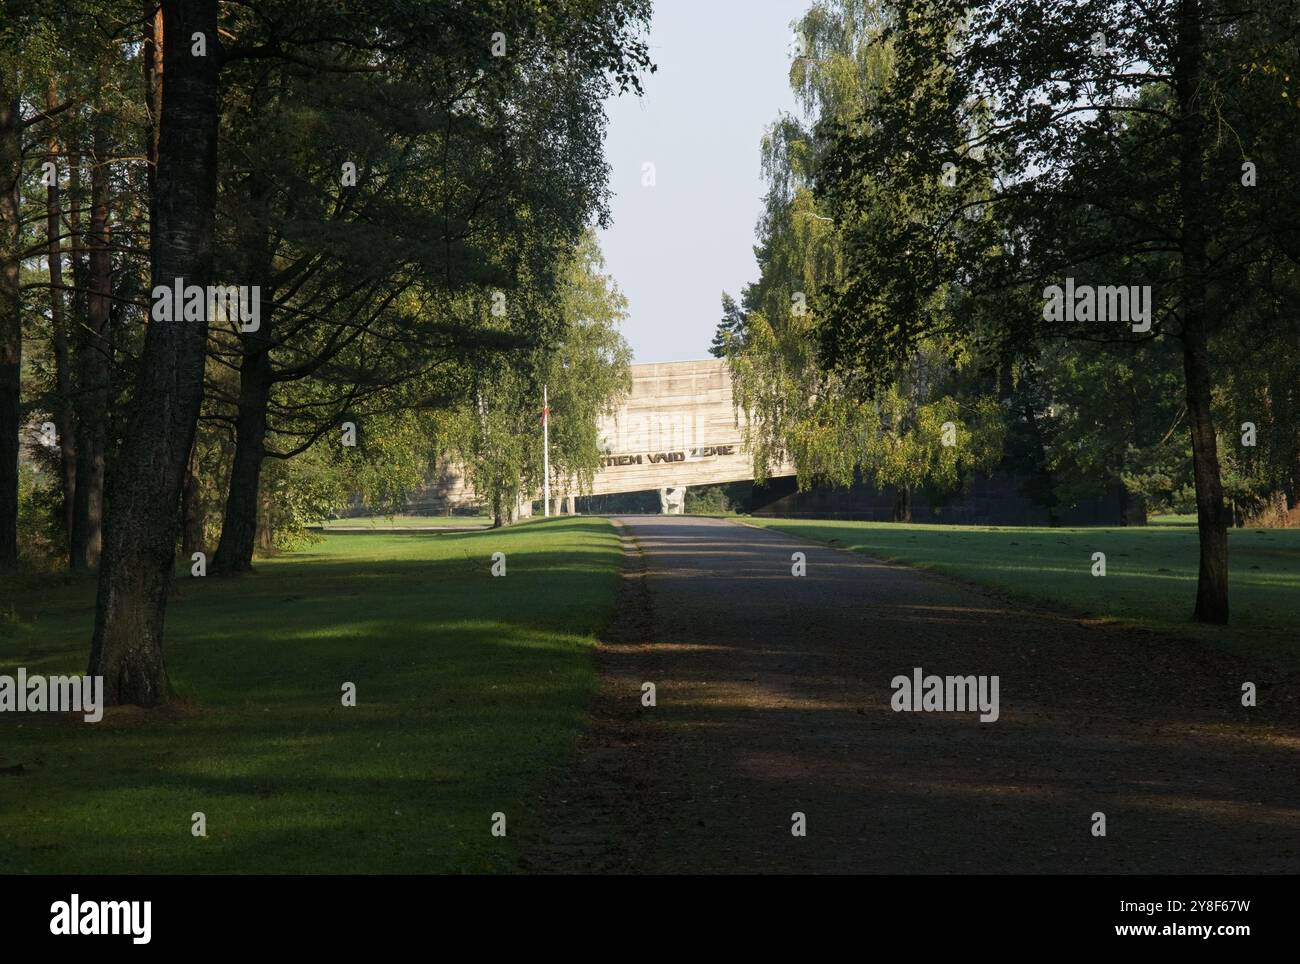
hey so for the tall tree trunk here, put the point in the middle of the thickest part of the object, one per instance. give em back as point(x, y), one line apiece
point(143, 518)
point(240, 532)
point(1211, 516)
point(79, 326)
point(239, 524)
point(151, 61)
point(59, 323)
point(902, 503)
point(265, 529)
point(94, 360)
point(192, 520)
point(11, 336)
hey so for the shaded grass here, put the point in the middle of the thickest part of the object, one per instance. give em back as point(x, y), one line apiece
point(1150, 576)
point(470, 690)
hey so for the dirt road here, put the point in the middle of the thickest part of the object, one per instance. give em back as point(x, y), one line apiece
point(773, 697)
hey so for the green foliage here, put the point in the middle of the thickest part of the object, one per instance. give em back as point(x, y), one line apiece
point(393, 457)
point(476, 174)
point(795, 409)
point(725, 499)
point(38, 508)
point(1114, 414)
point(730, 335)
point(1260, 385)
point(589, 372)
point(707, 500)
point(497, 435)
point(1064, 161)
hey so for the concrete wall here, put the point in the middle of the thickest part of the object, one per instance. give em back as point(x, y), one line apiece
point(999, 499)
point(676, 427)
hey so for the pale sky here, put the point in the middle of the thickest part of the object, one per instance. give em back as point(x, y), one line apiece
point(675, 247)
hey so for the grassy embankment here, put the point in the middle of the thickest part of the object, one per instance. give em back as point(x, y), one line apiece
point(382, 522)
point(470, 690)
point(1150, 576)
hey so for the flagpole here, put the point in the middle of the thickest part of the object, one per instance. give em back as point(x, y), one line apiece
point(546, 452)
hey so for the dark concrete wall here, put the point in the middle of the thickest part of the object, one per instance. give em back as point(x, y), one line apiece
point(987, 500)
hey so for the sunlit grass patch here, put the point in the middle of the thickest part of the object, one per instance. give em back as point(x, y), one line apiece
point(470, 691)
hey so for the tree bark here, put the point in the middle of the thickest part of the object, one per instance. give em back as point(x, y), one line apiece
point(239, 524)
point(1211, 516)
point(140, 548)
point(11, 336)
point(59, 324)
point(193, 524)
point(240, 532)
point(152, 64)
point(76, 305)
point(265, 529)
point(902, 503)
point(94, 361)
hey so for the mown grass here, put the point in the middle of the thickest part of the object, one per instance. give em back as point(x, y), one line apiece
point(470, 690)
point(1150, 576)
point(407, 521)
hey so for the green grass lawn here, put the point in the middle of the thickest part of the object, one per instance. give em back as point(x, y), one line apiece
point(470, 688)
point(1150, 572)
point(407, 521)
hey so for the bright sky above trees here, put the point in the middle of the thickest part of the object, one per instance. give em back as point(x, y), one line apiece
point(674, 247)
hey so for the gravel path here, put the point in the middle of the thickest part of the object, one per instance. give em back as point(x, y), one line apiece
point(774, 697)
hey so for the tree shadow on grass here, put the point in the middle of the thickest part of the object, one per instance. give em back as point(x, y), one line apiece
point(470, 688)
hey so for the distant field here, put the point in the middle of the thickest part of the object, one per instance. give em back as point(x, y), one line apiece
point(1150, 572)
point(470, 691)
point(407, 521)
